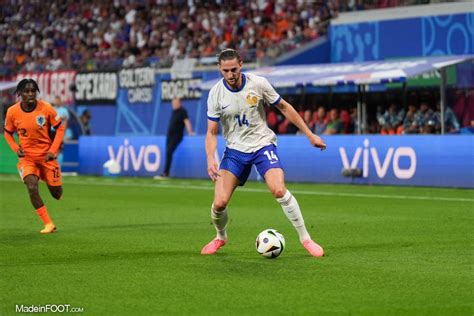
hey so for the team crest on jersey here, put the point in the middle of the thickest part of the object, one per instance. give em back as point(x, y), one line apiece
point(252, 99)
point(40, 120)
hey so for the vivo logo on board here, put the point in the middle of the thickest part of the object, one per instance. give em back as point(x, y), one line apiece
point(146, 156)
point(381, 163)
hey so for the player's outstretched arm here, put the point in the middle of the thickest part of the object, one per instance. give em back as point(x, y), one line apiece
point(290, 113)
point(8, 131)
point(211, 145)
point(13, 145)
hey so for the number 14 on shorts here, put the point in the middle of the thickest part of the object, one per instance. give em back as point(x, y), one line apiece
point(271, 156)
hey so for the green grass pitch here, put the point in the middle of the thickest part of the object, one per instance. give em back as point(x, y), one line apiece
point(132, 247)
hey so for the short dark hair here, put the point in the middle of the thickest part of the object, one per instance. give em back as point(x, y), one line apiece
point(21, 85)
point(228, 54)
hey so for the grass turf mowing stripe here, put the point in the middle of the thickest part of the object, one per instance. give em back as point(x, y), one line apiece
point(93, 181)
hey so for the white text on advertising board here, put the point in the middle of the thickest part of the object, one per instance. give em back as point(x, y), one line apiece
point(183, 89)
point(96, 86)
point(127, 155)
point(392, 157)
point(139, 83)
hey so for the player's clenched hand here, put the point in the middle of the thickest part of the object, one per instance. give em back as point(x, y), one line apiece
point(316, 141)
point(49, 156)
point(20, 152)
point(212, 170)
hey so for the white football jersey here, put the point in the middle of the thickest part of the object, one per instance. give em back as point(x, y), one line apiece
point(241, 112)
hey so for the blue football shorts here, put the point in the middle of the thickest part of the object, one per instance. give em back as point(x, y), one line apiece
point(240, 163)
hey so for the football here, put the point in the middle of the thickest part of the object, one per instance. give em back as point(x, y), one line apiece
point(270, 243)
point(111, 168)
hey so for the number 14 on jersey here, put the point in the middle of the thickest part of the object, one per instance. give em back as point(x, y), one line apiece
point(242, 121)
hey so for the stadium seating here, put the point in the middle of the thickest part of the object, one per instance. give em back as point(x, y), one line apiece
point(105, 35)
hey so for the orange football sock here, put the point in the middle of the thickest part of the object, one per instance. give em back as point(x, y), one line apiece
point(43, 214)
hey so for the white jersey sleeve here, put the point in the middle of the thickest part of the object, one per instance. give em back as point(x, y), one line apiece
point(213, 109)
point(268, 92)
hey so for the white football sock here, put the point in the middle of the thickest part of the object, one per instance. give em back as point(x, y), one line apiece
point(219, 219)
point(292, 211)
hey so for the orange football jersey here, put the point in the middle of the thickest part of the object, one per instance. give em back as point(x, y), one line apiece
point(33, 127)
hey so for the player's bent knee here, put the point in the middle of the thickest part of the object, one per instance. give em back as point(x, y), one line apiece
point(32, 188)
point(220, 204)
point(278, 192)
point(33, 191)
point(57, 193)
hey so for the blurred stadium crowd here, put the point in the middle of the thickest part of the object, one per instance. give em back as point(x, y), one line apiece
point(420, 115)
point(104, 35)
point(84, 35)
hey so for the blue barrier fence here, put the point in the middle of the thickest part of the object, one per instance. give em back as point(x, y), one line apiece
point(445, 161)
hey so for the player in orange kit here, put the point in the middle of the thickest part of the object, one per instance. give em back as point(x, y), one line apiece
point(32, 120)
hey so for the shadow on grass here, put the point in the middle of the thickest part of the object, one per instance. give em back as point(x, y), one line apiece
point(141, 226)
point(73, 258)
point(182, 257)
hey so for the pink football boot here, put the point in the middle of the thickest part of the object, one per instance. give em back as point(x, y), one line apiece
point(313, 248)
point(212, 247)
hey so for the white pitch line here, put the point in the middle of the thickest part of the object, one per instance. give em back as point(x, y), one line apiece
point(302, 192)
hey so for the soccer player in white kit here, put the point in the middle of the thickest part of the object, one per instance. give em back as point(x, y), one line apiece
point(237, 102)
